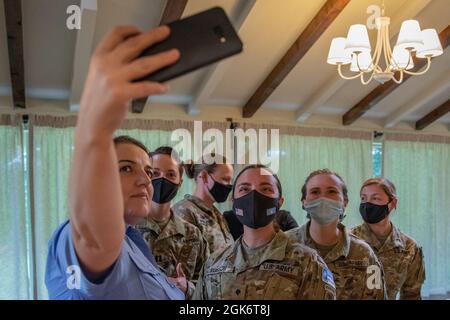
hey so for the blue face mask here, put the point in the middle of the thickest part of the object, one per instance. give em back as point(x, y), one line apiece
point(324, 210)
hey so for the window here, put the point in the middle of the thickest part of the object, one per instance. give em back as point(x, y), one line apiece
point(377, 158)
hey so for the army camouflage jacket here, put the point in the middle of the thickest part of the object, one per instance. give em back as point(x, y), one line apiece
point(211, 222)
point(402, 260)
point(280, 270)
point(178, 242)
point(357, 272)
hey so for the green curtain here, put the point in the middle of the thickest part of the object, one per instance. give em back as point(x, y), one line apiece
point(14, 263)
point(421, 173)
point(51, 158)
point(300, 155)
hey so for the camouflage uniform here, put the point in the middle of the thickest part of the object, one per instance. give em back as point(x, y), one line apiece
point(349, 260)
point(280, 270)
point(402, 260)
point(178, 242)
point(211, 222)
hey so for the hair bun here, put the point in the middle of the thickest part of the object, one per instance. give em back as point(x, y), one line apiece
point(189, 168)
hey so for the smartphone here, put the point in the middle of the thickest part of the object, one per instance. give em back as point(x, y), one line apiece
point(202, 39)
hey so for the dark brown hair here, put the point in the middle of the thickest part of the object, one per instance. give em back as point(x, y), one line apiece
point(170, 152)
point(129, 140)
point(257, 166)
point(325, 171)
point(194, 169)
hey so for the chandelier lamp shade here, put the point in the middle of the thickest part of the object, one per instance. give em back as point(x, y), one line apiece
point(383, 63)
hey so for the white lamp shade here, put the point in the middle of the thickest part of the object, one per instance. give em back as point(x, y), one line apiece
point(410, 36)
point(357, 39)
point(364, 61)
point(402, 59)
point(431, 44)
point(337, 54)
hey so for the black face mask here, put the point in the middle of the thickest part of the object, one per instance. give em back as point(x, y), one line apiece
point(220, 191)
point(255, 210)
point(163, 190)
point(373, 213)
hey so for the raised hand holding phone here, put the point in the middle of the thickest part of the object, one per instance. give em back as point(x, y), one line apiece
point(111, 80)
point(202, 39)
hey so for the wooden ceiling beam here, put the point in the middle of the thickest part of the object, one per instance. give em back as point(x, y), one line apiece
point(440, 87)
point(14, 33)
point(434, 115)
point(317, 26)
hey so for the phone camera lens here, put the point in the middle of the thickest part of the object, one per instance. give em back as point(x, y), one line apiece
point(220, 35)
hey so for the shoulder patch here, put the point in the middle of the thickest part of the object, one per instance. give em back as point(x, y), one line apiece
point(327, 277)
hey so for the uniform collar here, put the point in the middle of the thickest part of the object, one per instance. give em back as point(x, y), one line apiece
point(199, 203)
point(274, 250)
point(341, 249)
point(212, 213)
point(397, 237)
point(394, 239)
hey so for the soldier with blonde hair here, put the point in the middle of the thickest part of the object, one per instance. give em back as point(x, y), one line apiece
point(357, 272)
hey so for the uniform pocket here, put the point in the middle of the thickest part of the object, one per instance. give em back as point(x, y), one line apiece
point(212, 282)
point(280, 288)
point(188, 257)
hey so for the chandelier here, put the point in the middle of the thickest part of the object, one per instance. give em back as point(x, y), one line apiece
point(355, 50)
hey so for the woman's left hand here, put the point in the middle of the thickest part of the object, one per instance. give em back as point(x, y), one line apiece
point(180, 281)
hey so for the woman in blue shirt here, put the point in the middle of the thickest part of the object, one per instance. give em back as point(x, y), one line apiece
point(97, 254)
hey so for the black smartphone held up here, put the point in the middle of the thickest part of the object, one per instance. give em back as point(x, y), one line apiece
point(202, 39)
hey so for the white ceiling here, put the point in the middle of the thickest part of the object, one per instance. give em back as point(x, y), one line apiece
point(51, 70)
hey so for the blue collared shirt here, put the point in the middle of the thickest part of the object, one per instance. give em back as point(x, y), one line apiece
point(131, 277)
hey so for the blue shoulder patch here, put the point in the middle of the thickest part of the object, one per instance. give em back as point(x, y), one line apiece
point(327, 277)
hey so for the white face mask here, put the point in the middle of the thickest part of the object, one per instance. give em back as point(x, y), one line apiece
point(324, 210)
